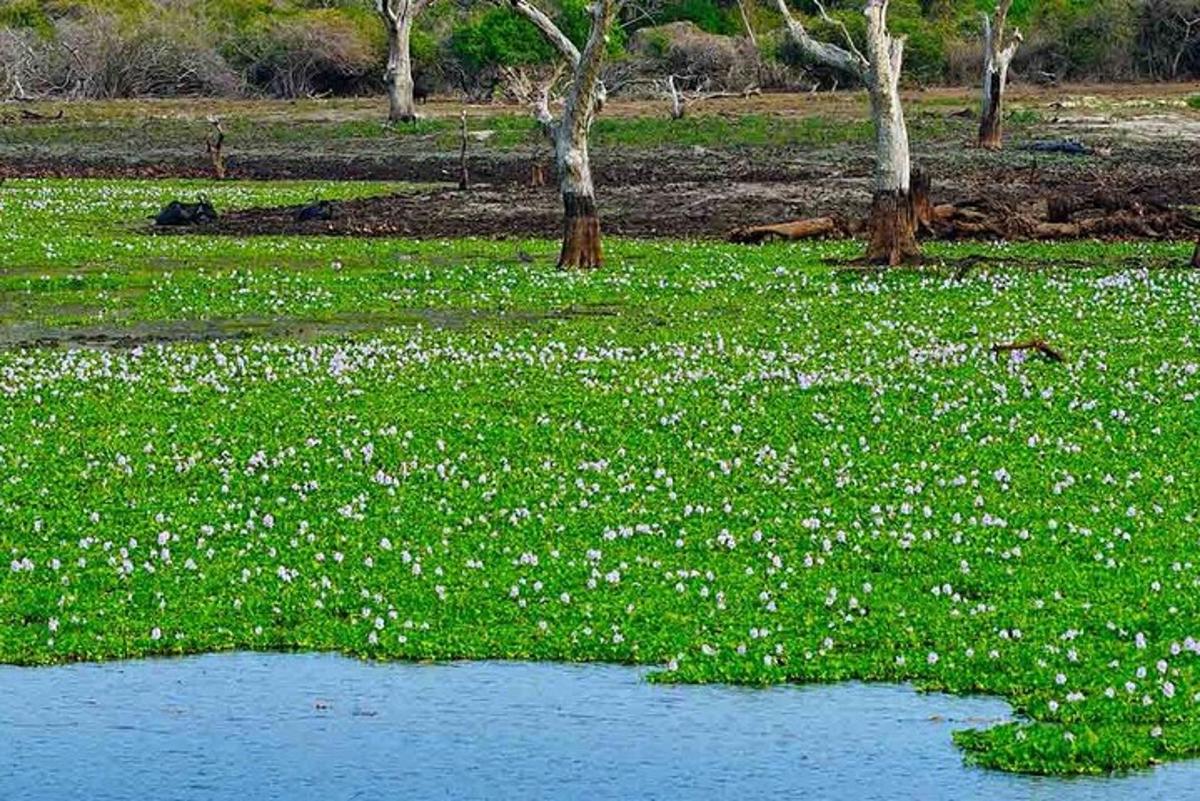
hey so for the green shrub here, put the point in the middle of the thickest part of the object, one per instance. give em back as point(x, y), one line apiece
point(29, 14)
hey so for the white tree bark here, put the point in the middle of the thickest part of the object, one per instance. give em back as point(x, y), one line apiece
point(885, 54)
point(584, 98)
point(893, 216)
point(996, 59)
point(398, 17)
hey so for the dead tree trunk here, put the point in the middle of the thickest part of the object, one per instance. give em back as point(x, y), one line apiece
point(996, 57)
point(398, 17)
point(214, 144)
point(585, 95)
point(464, 175)
point(892, 227)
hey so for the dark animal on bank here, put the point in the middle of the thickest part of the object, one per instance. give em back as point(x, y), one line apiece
point(422, 87)
point(177, 213)
point(317, 210)
point(1067, 147)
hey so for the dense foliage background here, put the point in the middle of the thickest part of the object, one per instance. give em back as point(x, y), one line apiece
point(291, 48)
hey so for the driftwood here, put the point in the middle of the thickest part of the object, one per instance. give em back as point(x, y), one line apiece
point(1038, 345)
point(213, 144)
point(34, 116)
point(799, 229)
point(680, 99)
point(1098, 215)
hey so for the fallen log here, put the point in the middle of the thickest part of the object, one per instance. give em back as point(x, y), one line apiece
point(34, 116)
point(795, 230)
point(1038, 345)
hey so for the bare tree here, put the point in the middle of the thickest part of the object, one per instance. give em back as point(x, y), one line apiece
point(681, 100)
point(997, 55)
point(399, 16)
point(892, 228)
point(584, 97)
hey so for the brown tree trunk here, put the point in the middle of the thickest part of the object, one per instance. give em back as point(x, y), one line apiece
point(581, 233)
point(892, 228)
point(1196, 256)
point(990, 136)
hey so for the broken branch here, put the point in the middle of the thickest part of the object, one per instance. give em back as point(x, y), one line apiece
point(1039, 345)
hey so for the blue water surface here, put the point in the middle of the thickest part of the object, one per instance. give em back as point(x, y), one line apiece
point(311, 726)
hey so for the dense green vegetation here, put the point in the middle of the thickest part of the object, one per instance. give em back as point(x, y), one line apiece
point(736, 464)
point(121, 48)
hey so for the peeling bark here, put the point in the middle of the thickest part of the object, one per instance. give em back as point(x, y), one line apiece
point(997, 55)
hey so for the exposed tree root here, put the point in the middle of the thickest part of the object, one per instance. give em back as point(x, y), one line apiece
point(1038, 345)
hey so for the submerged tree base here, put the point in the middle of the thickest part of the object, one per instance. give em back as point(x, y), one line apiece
point(892, 227)
point(581, 234)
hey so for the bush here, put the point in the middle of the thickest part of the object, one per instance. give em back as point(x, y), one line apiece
point(707, 15)
point(315, 52)
point(97, 56)
point(683, 49)
point(1168, 38)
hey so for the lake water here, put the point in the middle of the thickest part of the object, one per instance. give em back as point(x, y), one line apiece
point(301, 726)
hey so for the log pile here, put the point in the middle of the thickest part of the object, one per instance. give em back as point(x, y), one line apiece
point(1095, 215)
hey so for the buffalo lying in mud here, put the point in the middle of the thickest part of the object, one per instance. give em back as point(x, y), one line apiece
point(317, 210)
point(177, 213)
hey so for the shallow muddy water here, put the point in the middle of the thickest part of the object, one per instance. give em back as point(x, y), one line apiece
point(300, 726)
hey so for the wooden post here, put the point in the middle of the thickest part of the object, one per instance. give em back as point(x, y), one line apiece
point(464, 177)
point(213, 143)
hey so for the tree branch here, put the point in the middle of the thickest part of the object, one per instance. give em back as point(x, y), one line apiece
point(544, 24)
point(829, 54)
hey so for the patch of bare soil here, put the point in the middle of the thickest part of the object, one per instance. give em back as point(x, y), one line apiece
point(1129, 193)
